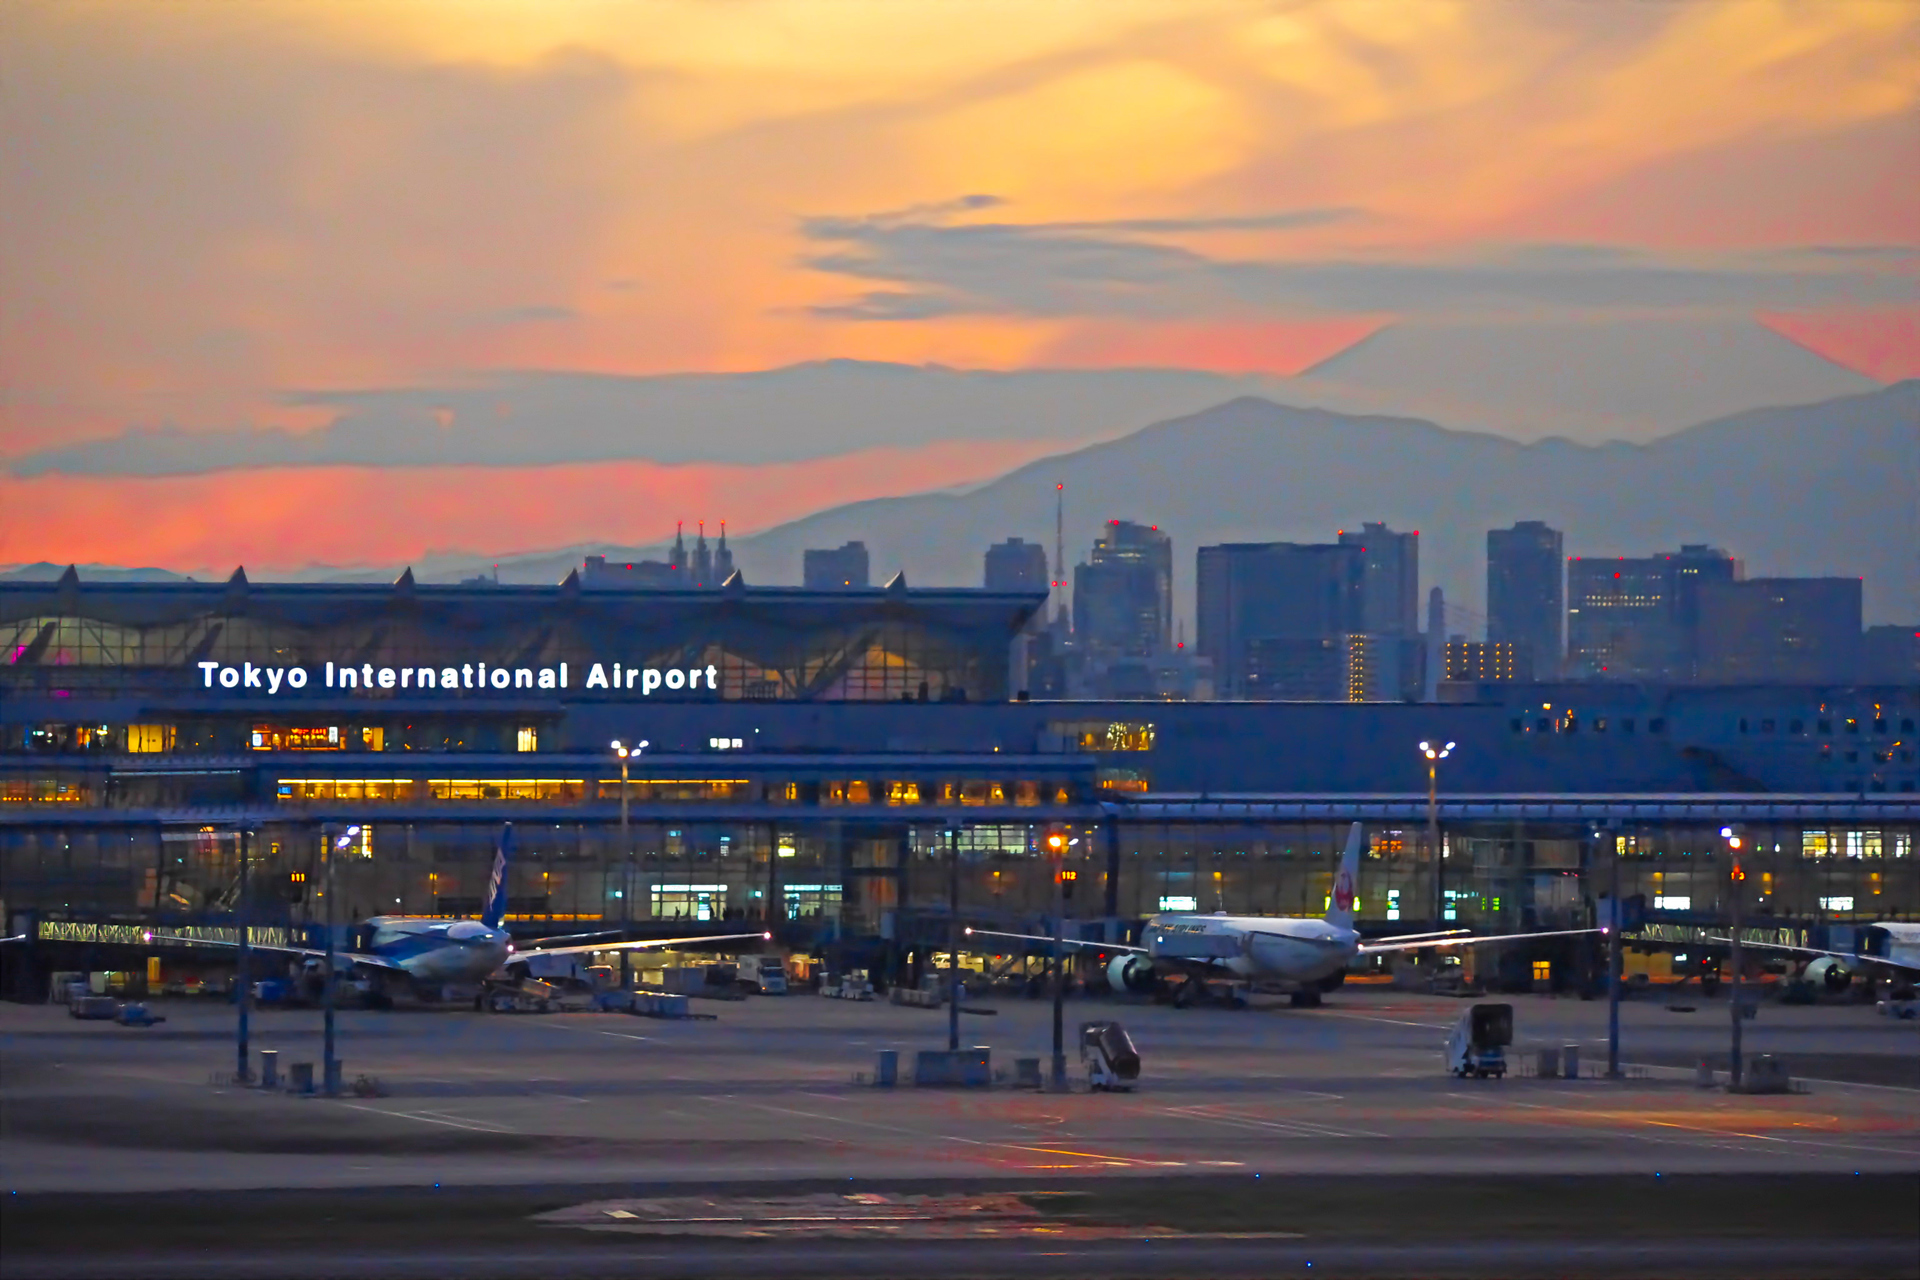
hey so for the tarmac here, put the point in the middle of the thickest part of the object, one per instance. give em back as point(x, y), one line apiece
point(769, 1099)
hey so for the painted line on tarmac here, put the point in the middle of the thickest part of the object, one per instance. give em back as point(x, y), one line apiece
point(1723, 1133)
point(561, 1026)
point(430, 1117)
point(1398, 1022)
point(1119, 1161)
point(1293, 1128)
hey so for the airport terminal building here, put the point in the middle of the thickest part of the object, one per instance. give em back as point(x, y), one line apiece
point(826, 761)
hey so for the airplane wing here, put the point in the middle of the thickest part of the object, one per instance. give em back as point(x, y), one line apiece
point(1069, 942)
point(584, 947)
point(1817, 951)
point(1409, 937)
point(1378, 948)
point(311, 953)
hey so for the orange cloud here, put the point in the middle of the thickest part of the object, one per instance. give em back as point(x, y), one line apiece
point(293, 517)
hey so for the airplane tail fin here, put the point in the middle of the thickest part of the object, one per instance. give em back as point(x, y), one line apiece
point(1346, 882)
point(494, 910)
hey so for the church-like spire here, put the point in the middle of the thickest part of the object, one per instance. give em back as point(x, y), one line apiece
point(703, 560)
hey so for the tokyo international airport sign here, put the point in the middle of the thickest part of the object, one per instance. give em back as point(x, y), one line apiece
point(468, 677)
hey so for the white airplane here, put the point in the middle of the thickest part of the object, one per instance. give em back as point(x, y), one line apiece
point(1885, 944)
point(429, 955)
point(1308, 955)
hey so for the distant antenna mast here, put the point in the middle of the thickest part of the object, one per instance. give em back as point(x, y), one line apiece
point(1060, 548)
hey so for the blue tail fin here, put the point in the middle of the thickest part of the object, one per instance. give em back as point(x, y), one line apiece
point(495, 909)
point(1346, 882)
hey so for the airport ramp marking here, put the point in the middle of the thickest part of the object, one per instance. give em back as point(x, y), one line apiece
point(431, 1117)
point(1710, 1131)
point(1293, 1128)
point(1119, 1161)
point(1398, 1022)
point(561, 1026)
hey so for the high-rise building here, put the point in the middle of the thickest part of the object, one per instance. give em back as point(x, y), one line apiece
point(1638, 619)
point(1890, 655)
point(1123, 595)
point(1526, 593)
point(1258, 603)
point(1392, 591)
point(701, 567)
point(1487, 660)
point(1015, 565)
point(836, 569)
point(1778, 631)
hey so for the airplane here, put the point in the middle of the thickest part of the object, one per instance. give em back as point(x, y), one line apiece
point(1309, 955)
point(1885, 944)
point(426, 956)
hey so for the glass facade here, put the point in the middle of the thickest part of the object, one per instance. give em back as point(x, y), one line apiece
point(65, 640)
point(1498, 876)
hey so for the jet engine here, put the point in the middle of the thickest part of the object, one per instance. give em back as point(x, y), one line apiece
point(1130, 972)
point(1830, 971)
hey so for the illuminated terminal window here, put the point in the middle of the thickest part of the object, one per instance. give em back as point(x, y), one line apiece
point(552, 790)
point(1130, 781)
point(1106, 735)
point(899, 793)
point(677, 790)
point(526, 738)
point(43, 791)
point(359, 790)
point(143, 738)
point(1179, 902)
point(1841, 903)
point(280, 737)
point(804, 900)
point(849, 791)
point(689, 901)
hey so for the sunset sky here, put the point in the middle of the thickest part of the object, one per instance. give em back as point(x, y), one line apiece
point(210, 212)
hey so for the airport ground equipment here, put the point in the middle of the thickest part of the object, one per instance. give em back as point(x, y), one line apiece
point(1477, 1045)
point(767, 973)
point(93, 1008)
point(1107, 1053)
point(962, 1068)
point(134, 1014)
point(886, 1068)
point(269, 1068)
point(851, 986)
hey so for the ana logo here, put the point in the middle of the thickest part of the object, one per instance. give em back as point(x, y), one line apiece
point(1343, 891)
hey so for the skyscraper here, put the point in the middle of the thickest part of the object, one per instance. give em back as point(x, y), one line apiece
point(1526, 594)
point(1123, 595)
point(1015, 565)
point(835, 569)
point(1638, 619)
point(1274, 615)
point(1778, 630)
point(1392, 578)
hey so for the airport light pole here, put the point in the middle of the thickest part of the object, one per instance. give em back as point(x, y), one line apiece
point(243, 1071)
point(625, 753)
point(953, 939)
point(1434, 755)
point(1613, 927)
point(1057, 854)
point(331, 849)
point(1736, 883)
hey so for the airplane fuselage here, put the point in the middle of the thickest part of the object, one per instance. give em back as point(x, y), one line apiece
point(1284, 948)
point(440, 952)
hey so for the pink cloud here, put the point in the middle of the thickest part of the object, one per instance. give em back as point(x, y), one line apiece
point(290, 517)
